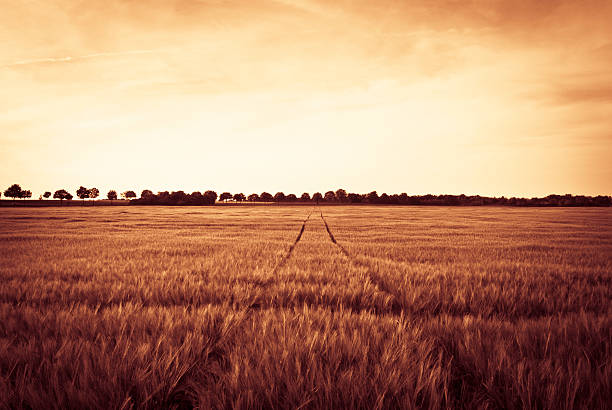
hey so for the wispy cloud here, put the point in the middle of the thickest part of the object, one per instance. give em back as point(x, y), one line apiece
point(309, 6)
point(69, 59)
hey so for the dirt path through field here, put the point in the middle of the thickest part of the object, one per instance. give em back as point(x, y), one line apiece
point(290, 251)
point(315, 274)
point(378, 280)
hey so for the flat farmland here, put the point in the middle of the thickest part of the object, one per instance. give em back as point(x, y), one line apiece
point(305, 307)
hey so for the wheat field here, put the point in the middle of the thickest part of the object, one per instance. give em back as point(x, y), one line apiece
point(365, 307)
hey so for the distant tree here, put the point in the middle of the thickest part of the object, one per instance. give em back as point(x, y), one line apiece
point(147, 197)
point(146, 194)
point(317, 197)
point(26, 194)
point(291, 198)
point(305, 197)
point(266, 197)
point(354, 198)
point(601, 200)
point(330, 196)
point(163, 197)
point(93, 194)
point(178, 197)
point(341, 195)
point(83, 193)
point(210, 197)
point(253, 198)
point(196, 198)
point(14, 191)
point(128, 194)
point(279, 197)
point(384, 198)
point(112, 195)
point(225, 196)
point(62, 194)
point(47, 194)
point(372, 197)
point(239, 197)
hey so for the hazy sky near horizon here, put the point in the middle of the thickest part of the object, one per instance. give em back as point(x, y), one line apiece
point(487, 97)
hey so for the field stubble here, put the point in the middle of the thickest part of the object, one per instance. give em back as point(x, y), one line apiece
point(406, 307)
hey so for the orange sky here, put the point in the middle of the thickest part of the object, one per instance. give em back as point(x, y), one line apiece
point(487, 97)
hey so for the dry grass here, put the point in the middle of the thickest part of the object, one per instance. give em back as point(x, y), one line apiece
point(199, 307)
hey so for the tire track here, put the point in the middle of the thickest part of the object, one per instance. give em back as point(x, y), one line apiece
point(377, 280)
point(290, 251)
point(331, 236)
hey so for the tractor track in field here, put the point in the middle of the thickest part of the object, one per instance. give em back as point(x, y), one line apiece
point(375, 278)
point(334, 241)
point(290, 251)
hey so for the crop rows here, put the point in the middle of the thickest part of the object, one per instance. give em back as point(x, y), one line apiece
point(366, 307)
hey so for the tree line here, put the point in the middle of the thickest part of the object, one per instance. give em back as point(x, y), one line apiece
point(15, 191)
point(340, 196)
